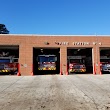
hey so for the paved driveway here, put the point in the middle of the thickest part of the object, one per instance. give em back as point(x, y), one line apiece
point(55, 92)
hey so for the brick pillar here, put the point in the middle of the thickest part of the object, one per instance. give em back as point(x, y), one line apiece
point(63, 60)
point(22, 59)
point(29, 59)
point(25, 58)
point(96, 59)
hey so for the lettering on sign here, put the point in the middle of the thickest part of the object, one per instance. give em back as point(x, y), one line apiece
point(81, 43)
point(62, 43)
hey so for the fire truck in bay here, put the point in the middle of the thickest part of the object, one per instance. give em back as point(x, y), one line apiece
point(76, 64)
point(8, 65)
point(105, 63)
point(47, 62)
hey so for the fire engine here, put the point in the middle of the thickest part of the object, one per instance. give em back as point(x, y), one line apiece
point(47, 62)
point(105, 64)
point(8, 65)
point(76, 64)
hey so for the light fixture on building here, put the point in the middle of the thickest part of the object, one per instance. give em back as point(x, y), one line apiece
point(100, 43)
point(46, 43)
point(94, 43)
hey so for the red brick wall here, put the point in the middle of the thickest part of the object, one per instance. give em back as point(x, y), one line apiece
point(27, 42)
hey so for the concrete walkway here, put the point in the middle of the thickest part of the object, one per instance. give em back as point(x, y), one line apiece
point(55, 92)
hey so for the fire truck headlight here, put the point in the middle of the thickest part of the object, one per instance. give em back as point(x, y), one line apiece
point(44, 68)
point(70, 70)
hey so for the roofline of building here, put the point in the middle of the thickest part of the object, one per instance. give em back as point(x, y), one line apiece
point(50, 35)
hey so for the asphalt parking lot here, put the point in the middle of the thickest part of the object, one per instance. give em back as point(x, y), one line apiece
point(55, 92)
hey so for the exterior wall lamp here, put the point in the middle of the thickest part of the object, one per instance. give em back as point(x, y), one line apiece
point(100, 43)
point(94, 43)
point(46, 43)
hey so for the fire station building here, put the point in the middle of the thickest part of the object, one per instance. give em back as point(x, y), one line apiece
point(28, 47)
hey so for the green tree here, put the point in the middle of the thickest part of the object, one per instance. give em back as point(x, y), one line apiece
point(3, 29)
